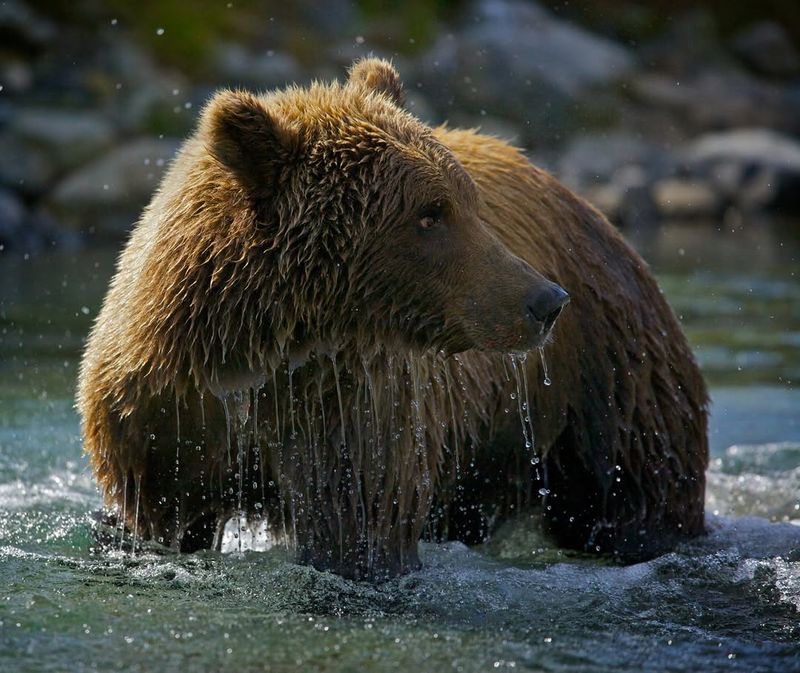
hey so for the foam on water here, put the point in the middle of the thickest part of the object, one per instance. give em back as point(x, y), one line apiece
point(729, 601)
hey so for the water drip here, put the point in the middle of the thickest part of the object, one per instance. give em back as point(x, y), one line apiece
point(524, 418)
point(124, 510)
point(227, 428)
point(177, 464)
point(339, 397)
point(547, 380)
point(293, 436)
point(136, 512)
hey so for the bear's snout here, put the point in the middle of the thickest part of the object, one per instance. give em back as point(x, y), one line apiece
point(543, 304)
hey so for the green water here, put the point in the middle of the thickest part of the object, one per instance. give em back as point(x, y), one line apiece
point(728, 602)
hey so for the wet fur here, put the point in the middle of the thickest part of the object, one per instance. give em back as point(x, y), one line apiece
point(213, 296)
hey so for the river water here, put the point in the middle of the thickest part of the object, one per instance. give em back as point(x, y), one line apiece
point(727, 602)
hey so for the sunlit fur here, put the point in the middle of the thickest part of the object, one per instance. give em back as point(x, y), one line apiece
point(265, 345)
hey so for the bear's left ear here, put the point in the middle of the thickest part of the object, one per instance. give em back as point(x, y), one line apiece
point(377, 74)
point(249, 139)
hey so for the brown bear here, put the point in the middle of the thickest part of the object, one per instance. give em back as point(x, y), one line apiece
point(320, 324)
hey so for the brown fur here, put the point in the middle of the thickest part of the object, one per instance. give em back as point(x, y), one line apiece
point(279, 340)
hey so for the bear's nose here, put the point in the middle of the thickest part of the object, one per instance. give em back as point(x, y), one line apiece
point(544, 305)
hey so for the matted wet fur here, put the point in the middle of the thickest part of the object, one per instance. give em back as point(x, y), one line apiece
point(270, 345)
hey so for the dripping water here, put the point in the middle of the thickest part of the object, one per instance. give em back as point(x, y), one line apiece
point(339, 397)
point(138, 479)
point(293, 435)
point(546, 380)
point(177, 466)
point(241, 407)
point(124, 510)
point(517, 364)
point(227, 428)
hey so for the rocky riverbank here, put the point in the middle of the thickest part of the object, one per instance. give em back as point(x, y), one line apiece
point(686, 122)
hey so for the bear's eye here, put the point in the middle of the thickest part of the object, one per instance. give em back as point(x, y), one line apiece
point(430, 217)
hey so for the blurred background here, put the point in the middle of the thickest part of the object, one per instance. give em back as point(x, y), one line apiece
point(680, 120)
point(657, 111)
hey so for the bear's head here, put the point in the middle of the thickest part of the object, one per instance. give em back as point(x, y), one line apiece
point(371, 224)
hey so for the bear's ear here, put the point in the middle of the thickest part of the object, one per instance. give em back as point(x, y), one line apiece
point(376, 74)
point(250, 140)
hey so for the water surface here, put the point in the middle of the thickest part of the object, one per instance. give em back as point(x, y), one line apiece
point(727, 602)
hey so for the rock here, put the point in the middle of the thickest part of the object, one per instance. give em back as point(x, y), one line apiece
point(12, 218)
point(595, 158)
point(715, 99)
point(21, 26)
point(637, 214)
point(16, 75)
point(106, 196)
point(690, 38)
point(684, 199)
point(766, 48)
point(517, 60)
point(626, 200)
point(267, 70)
point(69, 138)
point(145, 98)
point(31, 232)
point(759, 168)
point(23, 167)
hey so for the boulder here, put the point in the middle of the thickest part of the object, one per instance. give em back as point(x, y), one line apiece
point(590, 159)
point(713, 99)
point(24, 168)
point(23, 27)
point(67, 137)
point(12, 218)
point(766, 48)
point(259, 71)
point(106, 196)
point(759, 168)
point(518, 60)
point(685, 199)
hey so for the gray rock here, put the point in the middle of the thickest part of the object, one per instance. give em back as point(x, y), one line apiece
point(24, 167)
point(148, 97)
point(266, 70)
point(715, 99)
point(69, 138)
point(767, 48)
point(536, 44)
point(759, 168)
point(16, 75)
point(19, 20)
point(517, 60)
point(107, 195)
point(596, 158)
point(24, 231)
point(689, 38)
point(685, 199)
point(12, 218)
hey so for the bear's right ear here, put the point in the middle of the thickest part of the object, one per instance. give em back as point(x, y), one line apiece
point(244, 136)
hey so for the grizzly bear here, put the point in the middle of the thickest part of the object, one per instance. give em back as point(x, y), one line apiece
point(321, 323)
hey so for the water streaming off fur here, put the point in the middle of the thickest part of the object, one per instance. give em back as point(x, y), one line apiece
point(308, 448)
point(729, 602)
